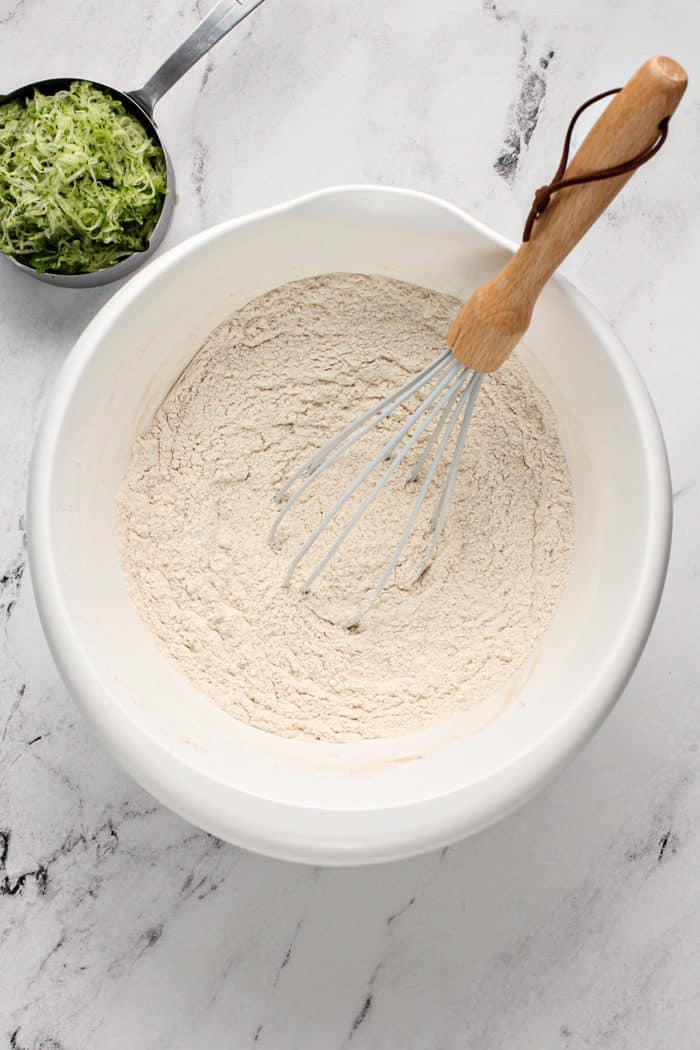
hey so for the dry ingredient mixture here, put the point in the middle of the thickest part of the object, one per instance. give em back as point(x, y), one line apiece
point(267, 388)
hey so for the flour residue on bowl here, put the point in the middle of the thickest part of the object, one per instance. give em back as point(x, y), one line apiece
point(267, 388)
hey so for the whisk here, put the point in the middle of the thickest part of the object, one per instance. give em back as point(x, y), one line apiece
point(629, 132)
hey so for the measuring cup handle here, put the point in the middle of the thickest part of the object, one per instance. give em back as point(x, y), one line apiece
point(220, 20)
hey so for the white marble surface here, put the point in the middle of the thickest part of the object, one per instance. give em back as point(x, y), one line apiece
point(574, 924)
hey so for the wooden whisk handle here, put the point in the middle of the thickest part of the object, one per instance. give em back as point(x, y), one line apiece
point(497, 315)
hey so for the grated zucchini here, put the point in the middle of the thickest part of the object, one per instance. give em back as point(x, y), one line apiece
point(81, 182)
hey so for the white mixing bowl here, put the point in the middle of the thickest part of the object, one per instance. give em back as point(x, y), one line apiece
point(373, 800)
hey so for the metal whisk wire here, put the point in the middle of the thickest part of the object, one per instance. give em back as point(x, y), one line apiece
point(450, 400)
point(359, 427)
point(464, 407)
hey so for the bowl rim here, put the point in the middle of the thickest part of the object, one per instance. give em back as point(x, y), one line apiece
point(315, 838)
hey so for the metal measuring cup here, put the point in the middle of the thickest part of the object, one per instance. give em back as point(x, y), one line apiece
point(141, 103)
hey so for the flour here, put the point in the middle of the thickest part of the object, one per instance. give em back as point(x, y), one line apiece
point(269, 386)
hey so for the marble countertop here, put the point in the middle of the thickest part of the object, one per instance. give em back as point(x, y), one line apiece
point(575, 923)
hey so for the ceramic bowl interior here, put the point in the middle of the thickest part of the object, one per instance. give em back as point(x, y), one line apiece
point(365, 801)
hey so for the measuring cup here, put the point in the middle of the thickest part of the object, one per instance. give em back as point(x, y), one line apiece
point(141, 103)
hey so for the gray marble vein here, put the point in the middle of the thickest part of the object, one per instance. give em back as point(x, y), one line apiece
point(524, 112)
point(573, 924)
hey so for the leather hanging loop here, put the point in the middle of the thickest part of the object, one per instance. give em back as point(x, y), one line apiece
point(544, 194)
